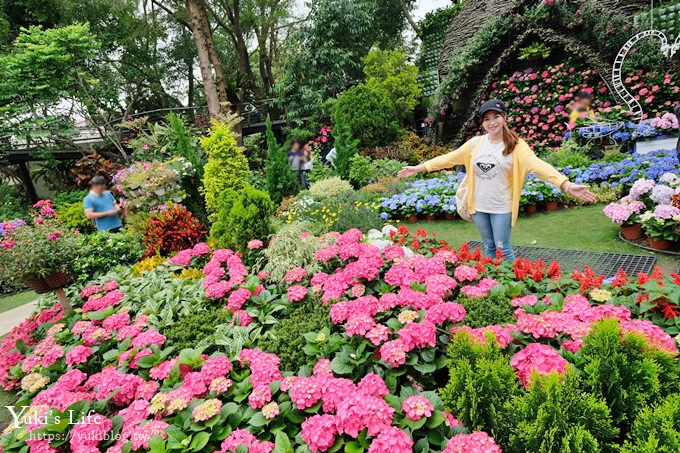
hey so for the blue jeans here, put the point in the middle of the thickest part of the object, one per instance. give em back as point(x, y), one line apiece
point(495, 230)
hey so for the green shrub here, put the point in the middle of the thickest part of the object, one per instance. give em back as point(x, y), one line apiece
point(389, 72)
point(486, 311)
point(12, 205)
point(75, 196)
point(242, 216)
point(102, 251)
point(187, 331)
point(556, 416)
point(354, 210)
point(481, 384)
point(370, 115)
point(320, 172)
point(73, 215)
point(330, 187)
point(571, 154)
point(281, 181)
point(360, 170)
point(287, 340)
point(345, 145)
point(656, 429)
point(385, 168)
point(615, 157)
point(227, 167)
point(625, 372)
point(288, 249)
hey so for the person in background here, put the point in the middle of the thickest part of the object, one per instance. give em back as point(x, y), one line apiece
point(581, 107)
point(295, 159)
point(306, 166)
point(330, 157)
point(497, 165)
point(101, 206)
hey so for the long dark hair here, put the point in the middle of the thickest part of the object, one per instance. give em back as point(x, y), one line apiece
point(510, 137)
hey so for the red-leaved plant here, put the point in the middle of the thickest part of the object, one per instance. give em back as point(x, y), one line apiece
point(172, 230)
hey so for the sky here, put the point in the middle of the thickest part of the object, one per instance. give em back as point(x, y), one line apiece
point(425, 6)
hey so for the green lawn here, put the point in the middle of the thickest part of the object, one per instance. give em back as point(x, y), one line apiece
point(6, 399)
point(579, 228)
point(16, 300)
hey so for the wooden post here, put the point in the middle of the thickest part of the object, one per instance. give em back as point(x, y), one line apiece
point(63, 300)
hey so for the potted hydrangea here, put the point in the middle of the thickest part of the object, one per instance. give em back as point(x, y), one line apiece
point(626, 213)
point(660, 226)
point(39, 254)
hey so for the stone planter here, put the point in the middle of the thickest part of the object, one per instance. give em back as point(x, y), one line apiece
point(551, 205)
point(659, 244)
point(632, 232)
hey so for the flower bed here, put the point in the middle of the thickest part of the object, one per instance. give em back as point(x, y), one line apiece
point(396, 300)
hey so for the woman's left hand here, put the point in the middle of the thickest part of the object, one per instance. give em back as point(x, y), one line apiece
point(581, 192)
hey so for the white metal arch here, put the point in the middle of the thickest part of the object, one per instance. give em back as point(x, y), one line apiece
point(617, 81)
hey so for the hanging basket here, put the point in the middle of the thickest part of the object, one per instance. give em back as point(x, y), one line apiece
point(49, 283)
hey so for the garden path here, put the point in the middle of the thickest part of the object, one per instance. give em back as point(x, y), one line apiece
point(14, 317)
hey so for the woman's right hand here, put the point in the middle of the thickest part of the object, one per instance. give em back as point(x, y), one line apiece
point(410, 171)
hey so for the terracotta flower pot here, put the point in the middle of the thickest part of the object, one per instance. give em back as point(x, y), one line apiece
point(430, 217)
point(632, 232)
point(412, 218)
point(450, 216)
point(551, 205)
point(531, 209)
point(658, 244)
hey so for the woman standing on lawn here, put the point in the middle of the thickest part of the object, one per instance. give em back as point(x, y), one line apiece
point(497, 164)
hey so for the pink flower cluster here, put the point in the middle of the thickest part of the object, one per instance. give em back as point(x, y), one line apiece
point(502, 334)
point(481, 289)
point(476, 442)
point(622, 212)
point(539, 358)
point(240, 437)
point(216, 286)
point(184, 257)
point(101, 298)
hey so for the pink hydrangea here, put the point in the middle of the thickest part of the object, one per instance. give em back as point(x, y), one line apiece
point(142, 433)
point(295, 275)
point(418, 335)
point(319, 431)
point(296, 293)
point(359, 324)
point(116, 321)
point(465, 273)
point(237, 298)
point(243, 317)
point(655, 335)
point(86, 435)
point(539, 358)
point(530, 300)
point(271, 410)
point(417, 407)
point(255, 244)
point(476, 442)
point(149, 337)
point(373, 385)
point(162, 370)
point(378, 334)
point(215, 367)
point(260, 396)
point(220, 385)
point(448, 311)
point(394, 352)
point(77, 355)
point(323, 368)
point(393, 440)
point(305, 392)
point(242, 437)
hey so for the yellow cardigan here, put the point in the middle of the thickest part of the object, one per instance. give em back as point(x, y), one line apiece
point(524, 161)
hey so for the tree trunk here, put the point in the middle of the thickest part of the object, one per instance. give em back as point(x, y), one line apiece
point(409, 18)
point(220, 80)
point(25, 177)
point(197, 30)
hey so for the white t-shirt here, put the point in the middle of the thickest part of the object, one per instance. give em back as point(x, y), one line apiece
point(493, 173)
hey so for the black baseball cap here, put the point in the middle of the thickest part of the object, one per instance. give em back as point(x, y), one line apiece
point(495, 105)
